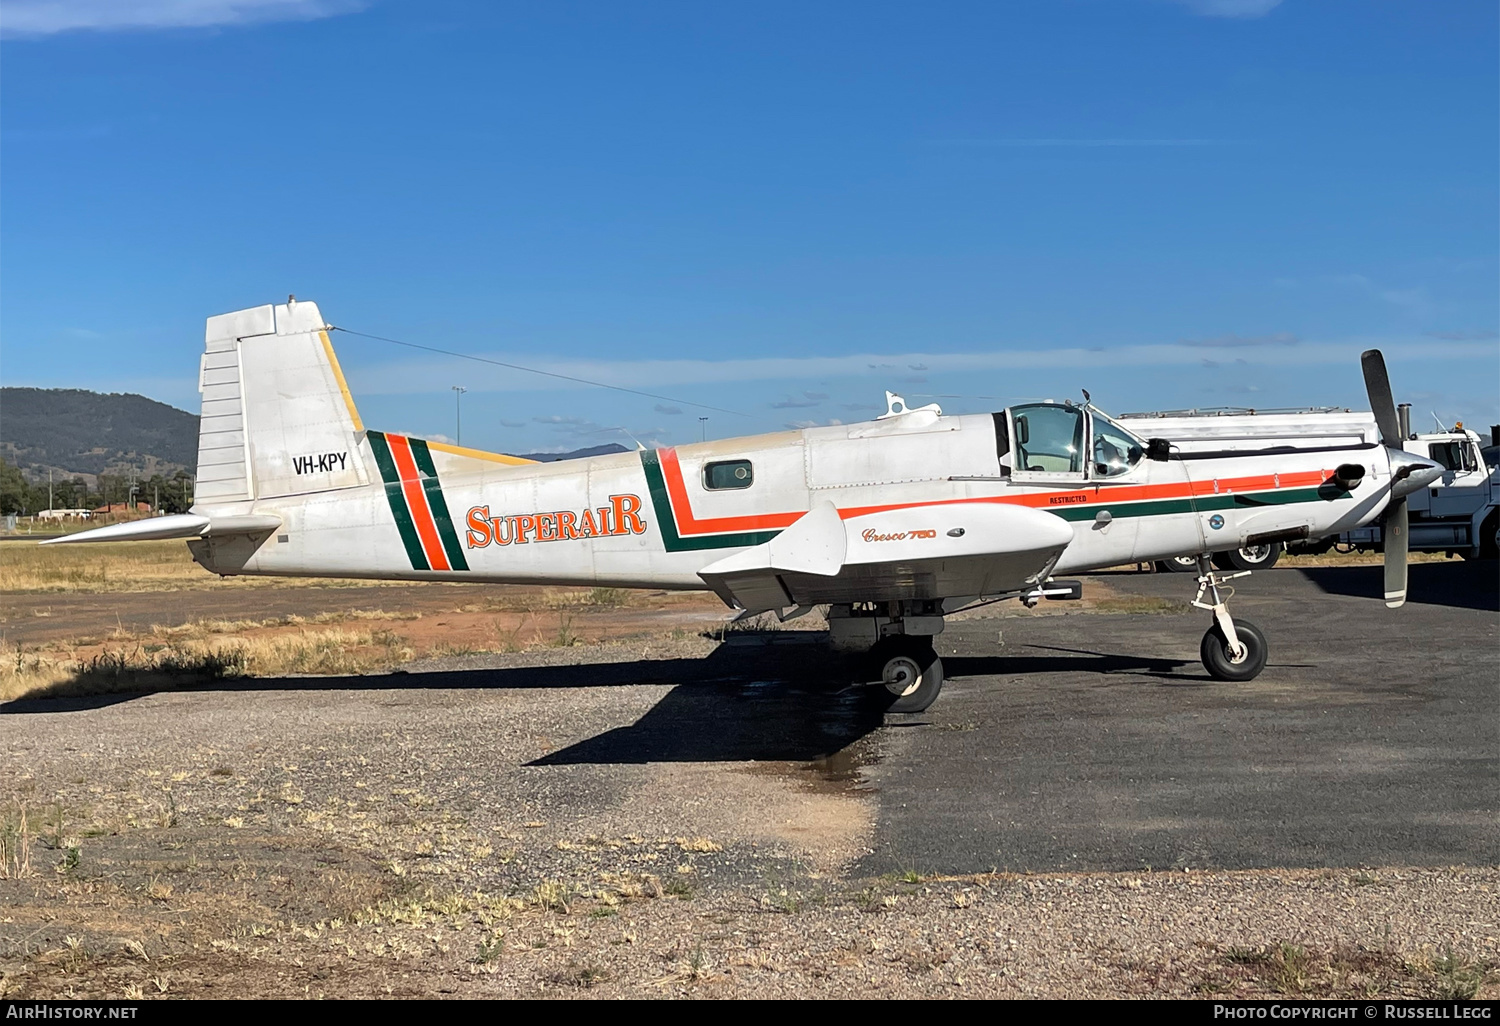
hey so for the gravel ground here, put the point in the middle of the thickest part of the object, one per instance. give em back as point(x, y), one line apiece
point(664, 816)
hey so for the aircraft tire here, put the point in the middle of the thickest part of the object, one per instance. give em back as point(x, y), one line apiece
point(1178, 565)
point(1221, 666)
point(1251, 557)
point(910, 671)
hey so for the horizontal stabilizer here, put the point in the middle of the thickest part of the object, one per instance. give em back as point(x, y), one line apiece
point(178, 525)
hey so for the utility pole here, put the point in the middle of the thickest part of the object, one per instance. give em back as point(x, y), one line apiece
point(458, 414)
point(49, 488)
point(702, 429)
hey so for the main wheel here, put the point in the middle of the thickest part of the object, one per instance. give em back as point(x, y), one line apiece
point(1178, 565)
point(911, 673)
point(1251, 557)
point(1222, 665)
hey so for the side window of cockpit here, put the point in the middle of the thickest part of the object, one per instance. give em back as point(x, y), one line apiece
point(1114, 451)
point(728, 474)
point(1049, 439)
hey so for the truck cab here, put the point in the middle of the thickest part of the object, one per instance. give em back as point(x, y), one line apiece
point(1458, 513)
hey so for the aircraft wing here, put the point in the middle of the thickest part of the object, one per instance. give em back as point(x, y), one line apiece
point(922, 552)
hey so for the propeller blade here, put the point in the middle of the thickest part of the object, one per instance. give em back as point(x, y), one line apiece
point(1382, 404)
point(1393, 531)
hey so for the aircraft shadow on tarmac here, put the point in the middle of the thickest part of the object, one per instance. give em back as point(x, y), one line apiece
point(739, 703)
point(801, 716)
point(1069, 660)
point(1466, 584)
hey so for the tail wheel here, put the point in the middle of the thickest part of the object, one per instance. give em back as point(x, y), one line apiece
point(1178, 565)
point(1251, 557)
point(1222, 664)
point(911, 674)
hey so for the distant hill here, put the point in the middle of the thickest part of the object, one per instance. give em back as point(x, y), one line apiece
point(80, 432)
point(73, 431)
point(576, 454)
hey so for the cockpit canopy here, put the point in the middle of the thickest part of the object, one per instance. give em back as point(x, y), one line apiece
point(1047, 440)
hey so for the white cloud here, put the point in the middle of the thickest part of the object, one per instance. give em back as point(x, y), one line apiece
point(1085, 143)
point(49, 17)
point(1232, 341)
point(1231, 8)
point(797, 402)
point(1413, 300)
point(419, 376)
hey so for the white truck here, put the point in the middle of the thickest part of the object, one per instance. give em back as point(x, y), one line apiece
point(1459, 515)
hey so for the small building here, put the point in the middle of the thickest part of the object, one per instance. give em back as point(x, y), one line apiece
point(64, 514)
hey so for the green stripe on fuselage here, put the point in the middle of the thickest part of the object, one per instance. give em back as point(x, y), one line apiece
point(434, 490)
point(1200, 504)
point(397, 498)
point(656, 483)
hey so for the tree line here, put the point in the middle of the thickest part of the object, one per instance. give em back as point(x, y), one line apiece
point(172, 494)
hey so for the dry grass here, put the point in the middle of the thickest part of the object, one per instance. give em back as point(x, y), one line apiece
point(1116, 603)
point(124, 567)
point(1355, 559)
point(525, 600)
point(200, 629)
point(15, 843)
point(196, 655)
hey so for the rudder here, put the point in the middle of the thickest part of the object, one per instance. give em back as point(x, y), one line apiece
point(277, 415)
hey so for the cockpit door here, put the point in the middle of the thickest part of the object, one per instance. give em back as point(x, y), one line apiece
point(1048, 443)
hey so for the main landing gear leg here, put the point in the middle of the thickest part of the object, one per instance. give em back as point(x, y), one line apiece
point(1234, 651)
point(892, 643)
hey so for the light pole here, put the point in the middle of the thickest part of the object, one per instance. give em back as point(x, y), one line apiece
point(458, 414)
point(702, 429)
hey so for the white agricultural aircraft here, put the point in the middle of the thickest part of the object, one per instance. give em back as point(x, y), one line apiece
point(892, 524)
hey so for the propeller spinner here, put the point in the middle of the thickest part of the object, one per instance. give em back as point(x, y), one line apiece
point(1408, 473)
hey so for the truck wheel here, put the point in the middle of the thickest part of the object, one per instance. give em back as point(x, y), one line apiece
point(1177, 565)
point(1251, 557)
point(1489, 544)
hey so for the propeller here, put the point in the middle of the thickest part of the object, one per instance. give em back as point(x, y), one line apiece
point(1408, 473)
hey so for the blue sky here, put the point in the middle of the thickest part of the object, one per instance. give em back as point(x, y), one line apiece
point(779, 209)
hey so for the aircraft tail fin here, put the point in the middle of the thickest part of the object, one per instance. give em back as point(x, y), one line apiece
point(277, 415)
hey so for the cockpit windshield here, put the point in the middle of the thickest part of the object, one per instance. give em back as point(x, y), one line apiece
point(1050, 439)
point(1115, 449)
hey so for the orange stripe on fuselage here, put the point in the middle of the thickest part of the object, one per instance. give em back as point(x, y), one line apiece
point(1123, 493)
point(421, 515)
point(688, 524)
point(682, 510)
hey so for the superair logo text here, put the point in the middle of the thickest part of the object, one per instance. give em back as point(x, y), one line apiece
point(621, 516)
point(320, 463)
